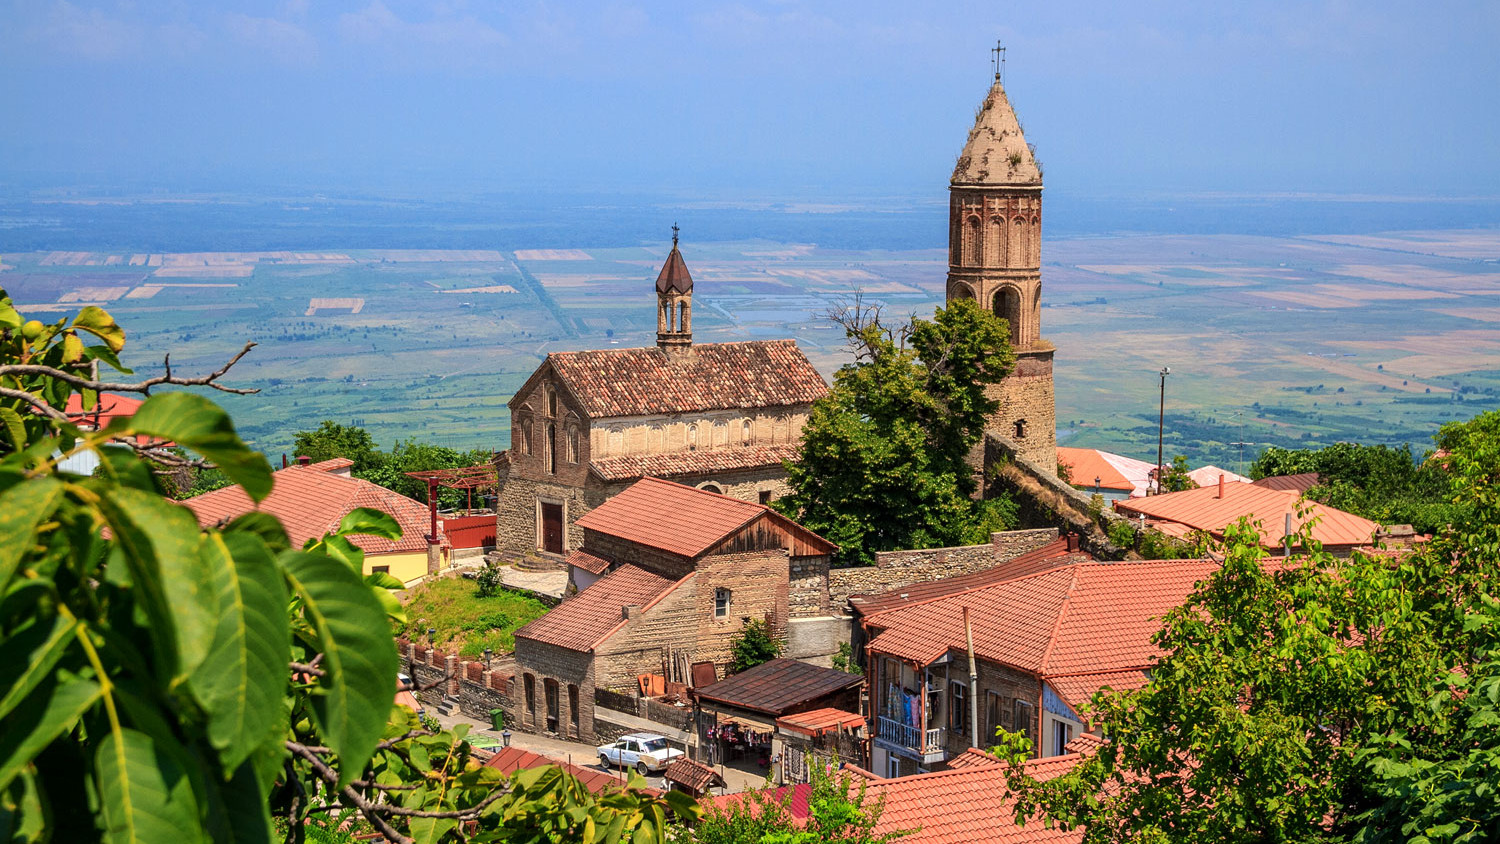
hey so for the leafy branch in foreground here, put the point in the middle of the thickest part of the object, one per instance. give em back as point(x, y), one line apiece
point(165, 682)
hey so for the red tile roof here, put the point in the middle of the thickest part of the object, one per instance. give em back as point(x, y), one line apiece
point(1084, 743)
point(778, 685)
point(674, 276)
point(108, 408)
point(797, 807)
point(586, 620)
point(1083, 619)
point(1203, 509)
point(678, 463)
point(820, 721)
point(695, 776)
point(511, 759)
point(965, 805)
point(683, 520)
point(1078, 689)
point(588, 562)
point(1301, 482)
point(310, 502)
point(643, 382)
point(1048, 556)
point(973, 758)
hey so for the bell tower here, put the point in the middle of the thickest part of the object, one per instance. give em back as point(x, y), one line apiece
point(674, 305)
point(994, 258)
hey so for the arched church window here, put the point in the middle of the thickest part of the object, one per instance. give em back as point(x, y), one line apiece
point(972, 243)
point(552, 403)
point(1018, 256)
point(962, 291)
point(682, 316)
point(996, 243)
point(551, 446)
point(522, 436)
point(572, 444)
point(1007, 304)
point(745, 432)
point(692, 433)
point(714, 488)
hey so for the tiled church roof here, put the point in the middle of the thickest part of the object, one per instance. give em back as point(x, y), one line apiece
point(678, 463)
point(645, 382)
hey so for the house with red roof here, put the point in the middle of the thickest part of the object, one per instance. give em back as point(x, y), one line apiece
point(1043, 644)
point(108, 407)
point(1275, 512)
point(588, 424)
point(666, 572)
point(311, 499)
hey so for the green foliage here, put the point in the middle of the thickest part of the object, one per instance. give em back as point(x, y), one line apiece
point(839, 813)
point(162, 682)
point(1174, 478)
point(844, 659)
point(1378, 482)
point(467, 622)
point(753, 646)
point(332, 439)
point(1122, 533)
point(882, 461)
point(1326, 700)
point(489, 580)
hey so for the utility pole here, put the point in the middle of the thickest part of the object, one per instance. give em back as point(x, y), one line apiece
point(1161, 425)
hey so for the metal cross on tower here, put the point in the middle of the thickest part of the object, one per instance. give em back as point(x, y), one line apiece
point(997, 61)
point(674, 234)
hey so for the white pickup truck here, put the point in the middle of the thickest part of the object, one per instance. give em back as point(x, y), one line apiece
point(645, 752)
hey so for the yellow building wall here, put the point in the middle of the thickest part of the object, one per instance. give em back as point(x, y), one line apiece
point(407, 568)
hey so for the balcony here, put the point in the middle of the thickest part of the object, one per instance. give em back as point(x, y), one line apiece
point(926, 743)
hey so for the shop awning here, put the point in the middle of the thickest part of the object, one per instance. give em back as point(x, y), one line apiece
point(820, 721)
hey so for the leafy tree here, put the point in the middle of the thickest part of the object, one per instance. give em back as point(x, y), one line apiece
point(1378, 482)
point(1326, 699)
point(332, 439)
point(839, 813)
point(162, 682)
point(883, 457)
point(753, 646)
point(389, 470)
point(1175, 478)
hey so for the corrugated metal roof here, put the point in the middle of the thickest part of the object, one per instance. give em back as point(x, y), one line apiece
point(1301, 482)
point(1086, 464)
point(776, 686)
point(584, 621)
point(1203, 509)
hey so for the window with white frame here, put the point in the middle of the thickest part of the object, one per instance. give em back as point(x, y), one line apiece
point(721, 603)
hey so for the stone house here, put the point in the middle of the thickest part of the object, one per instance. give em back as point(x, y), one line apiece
point(679, 570)
point(588, 424)
point(1044, 643)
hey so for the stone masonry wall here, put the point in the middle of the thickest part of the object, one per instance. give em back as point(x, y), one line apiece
point(516, 513)
point(894, 569)
point(540, 662)
point(477, 688)
point(636, 648)
point(1044, 498)
point(758, 586)
point(809, 587)
point(1027, 394)
point(619, 550)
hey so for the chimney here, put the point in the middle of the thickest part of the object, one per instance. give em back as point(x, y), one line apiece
point(630, 612)
point(303, 460)
point(1221, 484)
point(1072, 543)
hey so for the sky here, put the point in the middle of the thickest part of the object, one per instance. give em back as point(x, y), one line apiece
point(783, 101)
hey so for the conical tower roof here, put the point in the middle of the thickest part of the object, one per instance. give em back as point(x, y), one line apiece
point(674, 276)
point(996, 153)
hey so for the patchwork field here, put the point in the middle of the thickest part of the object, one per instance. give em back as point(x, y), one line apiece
point(1311, 340)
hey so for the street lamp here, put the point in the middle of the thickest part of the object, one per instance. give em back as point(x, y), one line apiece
point(505, 738)
point(488, 652)
point(1161, 425)
point(431, 635)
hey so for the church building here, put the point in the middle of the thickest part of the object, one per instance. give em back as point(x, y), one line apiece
point(586, 425)
point(994, 258)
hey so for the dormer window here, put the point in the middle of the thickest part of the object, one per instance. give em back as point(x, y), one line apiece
point(721, 603)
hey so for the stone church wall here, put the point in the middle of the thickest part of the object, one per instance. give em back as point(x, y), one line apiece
point(517, 515)
point(1027, 394)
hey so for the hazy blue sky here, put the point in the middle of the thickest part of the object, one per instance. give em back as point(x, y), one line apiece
point(782, 100)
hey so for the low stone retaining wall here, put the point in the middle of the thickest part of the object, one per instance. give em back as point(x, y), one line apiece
point(437, 675)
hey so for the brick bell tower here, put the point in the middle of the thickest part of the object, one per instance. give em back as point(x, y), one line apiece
point(994, 258)
point(674, 305)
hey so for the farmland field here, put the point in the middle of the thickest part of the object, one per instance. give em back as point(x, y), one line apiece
point(1271, 338)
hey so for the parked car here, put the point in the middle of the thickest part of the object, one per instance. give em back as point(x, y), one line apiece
point(646, 752)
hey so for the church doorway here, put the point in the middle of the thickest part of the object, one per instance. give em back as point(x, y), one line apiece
point(552, 528)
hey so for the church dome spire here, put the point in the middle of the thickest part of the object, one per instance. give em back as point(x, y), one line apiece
point(674, 304)
point(997, 152)
point(674, 276)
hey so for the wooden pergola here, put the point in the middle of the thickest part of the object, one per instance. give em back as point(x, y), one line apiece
point(467, 478)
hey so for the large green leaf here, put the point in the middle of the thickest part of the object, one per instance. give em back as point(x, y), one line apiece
point(27, 658)
point(371, 522)
point(194, 422)
point(145, 796)
point(22, 509)
point(48, 712)
point(160, 541)
point(98, 322)
point(264, 525)
point(23, 811)
point(359, 656)
point(241, 682)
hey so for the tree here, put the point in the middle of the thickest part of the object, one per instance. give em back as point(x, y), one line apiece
point(753, 646)
point(1175, 477)
point(1318, 700)
point(332, 440)
point(882, 464)
point(839, 813)
point(162, 682)
point(1378, 482)
point(389, 470)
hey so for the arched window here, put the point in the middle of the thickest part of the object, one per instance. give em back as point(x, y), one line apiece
point(552, 403)
point(962, 291)
point(973, 243)
point(745, 432)
point(666, 316)
point(721, 603)
point(572, 444)
point(523, 435)
point(1018, 257)
point(1020, 429)
point(714, 488)
point(1007, 304)
point(692, 434)
point(996, 242)
point(551, 446)
point(682, 316)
